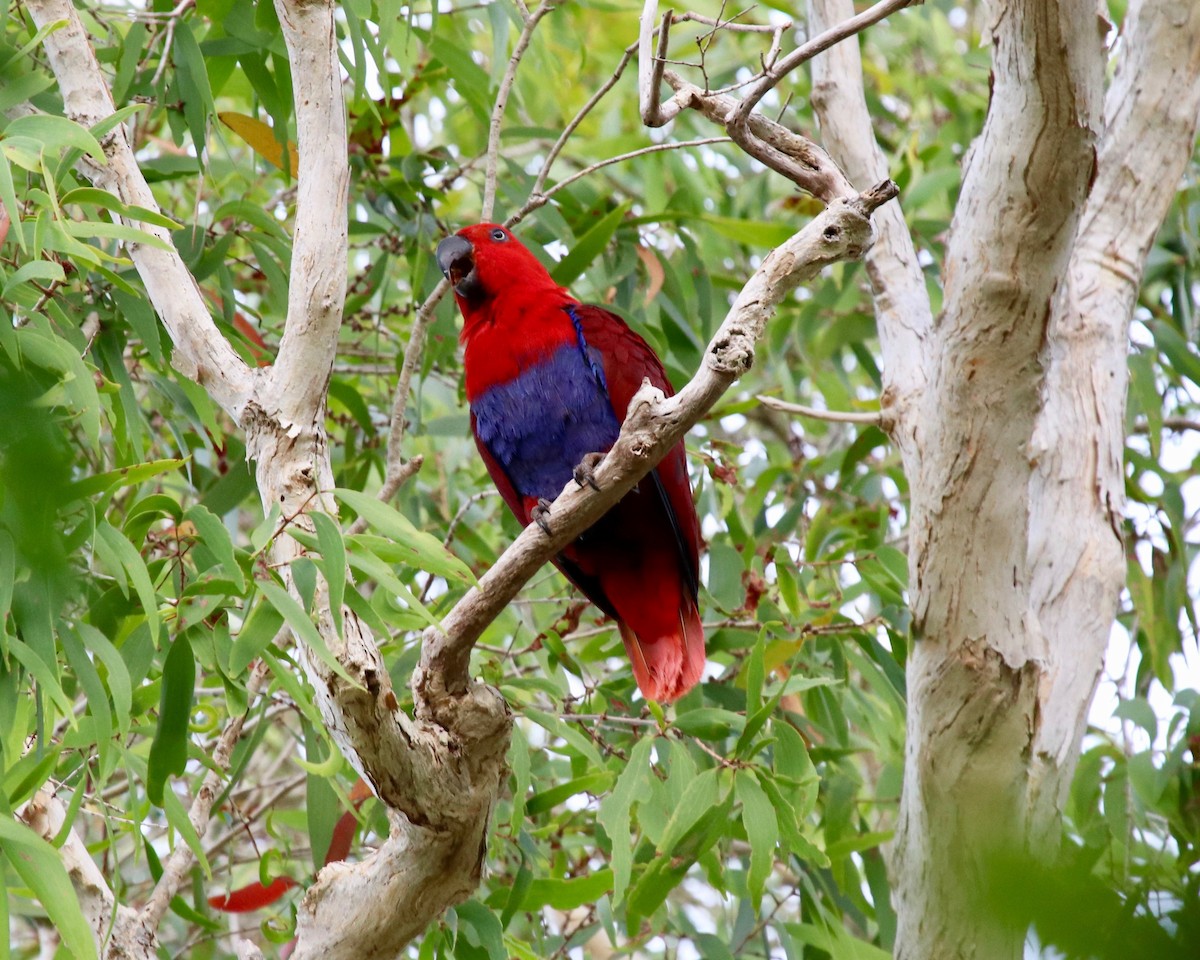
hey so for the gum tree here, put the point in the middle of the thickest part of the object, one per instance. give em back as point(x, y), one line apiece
point(219, 220)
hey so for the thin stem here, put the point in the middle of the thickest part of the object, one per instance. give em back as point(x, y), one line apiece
point(510, 73)
point(540, 200)
point(833, 416)
point(181, 859)
point(806, 51)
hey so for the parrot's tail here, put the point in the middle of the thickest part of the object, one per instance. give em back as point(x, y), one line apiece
point(668, 666)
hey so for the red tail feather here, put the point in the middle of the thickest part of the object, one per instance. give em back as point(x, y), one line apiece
point(660, 625)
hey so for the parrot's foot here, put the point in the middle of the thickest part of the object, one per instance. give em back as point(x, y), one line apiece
point(539, 514)
point(585, 472)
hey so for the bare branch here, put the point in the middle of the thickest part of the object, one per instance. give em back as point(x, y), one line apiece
point(653, 425)
point(537, 200)
point(789, 154)
point(201, 353)
point(903, 314)
point(806, 51)
point(650, 67)
point(300, 375)
point(506, 82)
point(108, 920)
point(587, 108)
point(182, 858)
point(815, 413)
point(733, 25)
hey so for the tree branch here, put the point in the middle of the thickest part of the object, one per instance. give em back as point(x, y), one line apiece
point(903, 314)
point(506, 82)
point(299, 378)
point(1151, 109)
point(653, 425)
point(833, 416)
point(770, 77)
point(1034, 162)
point(108, 920)
point(787, 153)
point(201, 353)
point(182, 858)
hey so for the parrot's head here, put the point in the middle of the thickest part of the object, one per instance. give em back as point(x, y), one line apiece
point(485, 260)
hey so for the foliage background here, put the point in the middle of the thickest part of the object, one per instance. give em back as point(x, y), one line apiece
point(135, 594)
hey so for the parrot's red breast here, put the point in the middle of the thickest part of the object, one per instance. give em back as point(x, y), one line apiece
point(549, 380)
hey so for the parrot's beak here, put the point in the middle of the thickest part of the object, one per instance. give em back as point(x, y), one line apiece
point(456, 260)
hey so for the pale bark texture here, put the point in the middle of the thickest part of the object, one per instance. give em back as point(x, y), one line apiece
point(1008, 411)
point(439, 774)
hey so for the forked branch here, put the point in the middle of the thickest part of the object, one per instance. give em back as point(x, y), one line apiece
point(787, 153)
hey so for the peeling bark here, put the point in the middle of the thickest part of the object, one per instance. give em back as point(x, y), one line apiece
point(1017, 489)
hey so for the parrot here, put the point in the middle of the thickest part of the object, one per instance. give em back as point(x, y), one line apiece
point(548, 382)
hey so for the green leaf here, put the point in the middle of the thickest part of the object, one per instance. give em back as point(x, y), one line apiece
point(574, 739)
point(567, 894)
point(216, 537)
point(8, 195)
point(39, 867)
point(614, 814)
point(134, 566)
point(333, 563)
point(47, 271)
point(178, 818)
point(481, 927)
point(424, 551)
point(168, 751)
point(595, 783)
point(55, 134)
point(697, 801)
point(710, 723)
point(301, 623)
point(588, 247)
point(45, 674)
point(192, 84)
point(130, 476)
point(119, 683)
point(762, 830)
point(520, 764)
point(95, 197)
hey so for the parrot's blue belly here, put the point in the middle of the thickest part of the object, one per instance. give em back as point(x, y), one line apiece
point(542, 423)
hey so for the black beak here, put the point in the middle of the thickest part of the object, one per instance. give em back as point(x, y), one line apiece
point(456, 260)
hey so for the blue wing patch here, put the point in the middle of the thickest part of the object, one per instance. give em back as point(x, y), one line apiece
point(539, 425)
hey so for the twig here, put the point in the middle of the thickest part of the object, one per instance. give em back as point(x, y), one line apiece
point(579, 118)
point(788, 154)
point(182, 858)
point(806, 51)
point(506, 82)
point(172, 19)
point(397, 472)
point(539, 200)
point(833, 416)
point(732, 24)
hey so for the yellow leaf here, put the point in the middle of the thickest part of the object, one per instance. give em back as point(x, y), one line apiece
point(261, 139)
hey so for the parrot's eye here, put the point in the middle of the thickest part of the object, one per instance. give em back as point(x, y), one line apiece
point(499, 235)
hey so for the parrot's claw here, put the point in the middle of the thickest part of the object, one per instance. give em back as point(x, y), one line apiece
point(585, 471)
point(539, 513)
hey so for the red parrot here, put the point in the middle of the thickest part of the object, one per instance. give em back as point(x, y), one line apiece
point(549, 381)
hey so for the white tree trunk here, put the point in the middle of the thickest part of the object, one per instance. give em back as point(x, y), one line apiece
point(1015, 450)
